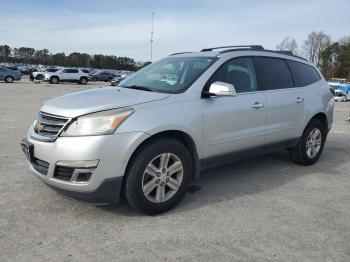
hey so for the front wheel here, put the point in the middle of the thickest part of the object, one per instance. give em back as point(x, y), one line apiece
point(83, 81)
point(9, 79)
point(39, 77)
point(310, 146)
point(54, 80)
point(158, 176)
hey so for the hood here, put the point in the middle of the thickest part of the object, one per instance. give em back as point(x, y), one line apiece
point(84, 102)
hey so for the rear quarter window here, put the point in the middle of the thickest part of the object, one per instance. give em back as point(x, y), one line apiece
point(304, 74)
point(273, 73)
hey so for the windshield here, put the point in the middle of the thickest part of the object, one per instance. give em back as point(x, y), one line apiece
point(169, 75)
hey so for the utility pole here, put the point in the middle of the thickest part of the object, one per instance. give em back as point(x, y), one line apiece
point(152, 32)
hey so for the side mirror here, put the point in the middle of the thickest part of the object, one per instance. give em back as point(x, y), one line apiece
point(221, 89)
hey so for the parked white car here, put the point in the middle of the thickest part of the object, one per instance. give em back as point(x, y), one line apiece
point(39, 75)
point(67, 75)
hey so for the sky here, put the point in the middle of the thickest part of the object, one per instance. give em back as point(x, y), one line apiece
point(123, 28)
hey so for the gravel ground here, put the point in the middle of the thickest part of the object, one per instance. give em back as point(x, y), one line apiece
point(262, 209)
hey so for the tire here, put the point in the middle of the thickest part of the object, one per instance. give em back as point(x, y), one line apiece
point(54, 80)
point(9, 79)
point(39, 77)
point(174, 185)
point(83, 81)
point(309, 150)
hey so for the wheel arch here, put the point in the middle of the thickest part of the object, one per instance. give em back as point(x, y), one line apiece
point(321, 117)
point(55, 76)
point(177, 135)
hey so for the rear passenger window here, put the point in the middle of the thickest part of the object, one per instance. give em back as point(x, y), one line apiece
point(273, 73)
point(239, 72)
point(304, 74)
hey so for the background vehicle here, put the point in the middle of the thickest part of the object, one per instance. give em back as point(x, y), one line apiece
point(9, 75)
point(154, 132)
point(116, 80)
point(67, 75)
point(14, 68)
point(336, 82)
point(342, 93)
point(102, 76)
point(39, 75)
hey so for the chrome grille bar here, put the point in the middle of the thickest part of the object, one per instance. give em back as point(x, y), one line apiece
point(50, 125)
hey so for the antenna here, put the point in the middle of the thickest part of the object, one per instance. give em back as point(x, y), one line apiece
point(152, 32)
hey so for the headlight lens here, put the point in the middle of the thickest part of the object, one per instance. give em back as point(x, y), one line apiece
point(101, 123)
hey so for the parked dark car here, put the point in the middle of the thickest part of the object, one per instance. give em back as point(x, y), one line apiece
point(9, 75)
point(116, 80)
point(102, 76)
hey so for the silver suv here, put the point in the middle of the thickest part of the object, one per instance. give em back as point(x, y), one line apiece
point(148, 137)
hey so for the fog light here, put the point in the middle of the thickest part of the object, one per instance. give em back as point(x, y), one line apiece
point(83, 177)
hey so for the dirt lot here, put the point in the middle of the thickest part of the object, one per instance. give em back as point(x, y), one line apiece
point(262, 209)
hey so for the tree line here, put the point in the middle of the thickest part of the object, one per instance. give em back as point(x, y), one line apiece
point(28, 55)
point(332, 58)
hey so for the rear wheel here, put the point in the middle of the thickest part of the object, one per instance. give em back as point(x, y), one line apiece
point(158, 177)
point(9, 79)
point(54, 80)
point(311, 143)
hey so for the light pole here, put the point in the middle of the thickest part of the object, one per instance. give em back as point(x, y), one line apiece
point(152, 32)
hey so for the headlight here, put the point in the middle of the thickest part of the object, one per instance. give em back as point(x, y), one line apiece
point(101, 123)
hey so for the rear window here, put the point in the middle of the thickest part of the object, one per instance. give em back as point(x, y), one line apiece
point(273, 73)
point(304, 74)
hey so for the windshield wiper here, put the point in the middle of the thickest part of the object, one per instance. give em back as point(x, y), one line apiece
point(143, 88)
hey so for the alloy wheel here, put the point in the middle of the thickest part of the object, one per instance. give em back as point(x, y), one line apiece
point(313, 143)
point(162, 178)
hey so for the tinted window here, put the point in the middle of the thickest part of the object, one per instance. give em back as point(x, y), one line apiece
point(239, 72)
point(273, 73)
point(71, 71)
point(304, 74)
point(51, 70)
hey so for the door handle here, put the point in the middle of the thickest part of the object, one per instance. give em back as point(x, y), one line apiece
point(258, 105)
point(299, 100)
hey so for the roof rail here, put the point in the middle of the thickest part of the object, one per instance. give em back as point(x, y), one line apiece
point(282, 52)
point(180, 53)
point(285, 52)
point(256, 47)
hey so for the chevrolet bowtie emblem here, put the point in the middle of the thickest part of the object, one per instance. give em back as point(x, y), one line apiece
point(39, 127)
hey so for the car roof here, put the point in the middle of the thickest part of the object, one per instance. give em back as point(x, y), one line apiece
point(255, 50)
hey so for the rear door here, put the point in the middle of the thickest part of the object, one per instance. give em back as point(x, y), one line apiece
point(232, 124)
point(285, 106)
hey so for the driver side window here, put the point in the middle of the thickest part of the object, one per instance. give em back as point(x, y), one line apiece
point(239, 72)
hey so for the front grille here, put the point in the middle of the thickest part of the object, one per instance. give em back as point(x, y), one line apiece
point(41, 166)
point(63, 173)
point(50, 125)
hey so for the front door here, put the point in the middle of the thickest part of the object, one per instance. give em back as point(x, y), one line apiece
point(232, 124)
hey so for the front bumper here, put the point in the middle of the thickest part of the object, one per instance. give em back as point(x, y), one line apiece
point(104, 185)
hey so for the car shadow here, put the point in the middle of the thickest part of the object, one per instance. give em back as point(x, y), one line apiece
point(246, 177)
